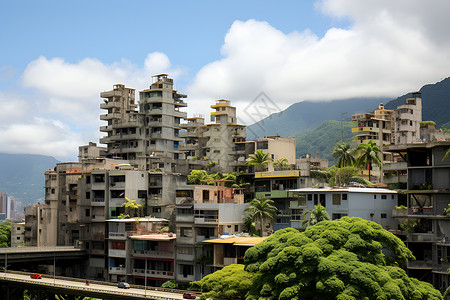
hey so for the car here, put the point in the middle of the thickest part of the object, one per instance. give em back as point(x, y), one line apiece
point(189, 296)
point(123, 285)
point(36, 276)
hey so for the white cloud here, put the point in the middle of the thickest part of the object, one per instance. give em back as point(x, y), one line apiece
point(61, 110)
point(391, 48)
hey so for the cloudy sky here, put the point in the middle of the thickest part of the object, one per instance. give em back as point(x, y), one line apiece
point(57, 56)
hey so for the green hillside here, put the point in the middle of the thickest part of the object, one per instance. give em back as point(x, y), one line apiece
point(323, 138)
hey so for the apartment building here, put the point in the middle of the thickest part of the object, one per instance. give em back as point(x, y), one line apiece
point(138, 250)
point(428, 198)
point(17, 234)
point(373, 204)
point(204, 212)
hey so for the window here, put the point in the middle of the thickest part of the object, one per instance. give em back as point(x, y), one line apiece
point(374, 196)
point(53, 191)
point(344, 196)
point(18, 228)
point(262, 145)
point(236, 228)
point(336, 199)
point(88, 195)
point(88, 212)
point(383, 216)
point(156, 209)
point(185, 232)
point(384, 197)
point(392, 197)
point(185, 250)
point(309, 197)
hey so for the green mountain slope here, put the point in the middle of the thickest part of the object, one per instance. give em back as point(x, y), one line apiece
point(22, 176)
point(300, 117)
point(435, 102)
point(323, 138)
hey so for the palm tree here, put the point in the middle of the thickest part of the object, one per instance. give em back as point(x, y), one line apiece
point(344, 154)
point(447, 154)
point(318, 214)
point(280, 163)
point(259, 159)
point(368, 155)
point(261, 209)
point(131, 206)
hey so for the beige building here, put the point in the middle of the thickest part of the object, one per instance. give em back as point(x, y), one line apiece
point(17, 234)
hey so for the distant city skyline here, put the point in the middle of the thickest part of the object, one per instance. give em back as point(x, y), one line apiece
point(58, 57)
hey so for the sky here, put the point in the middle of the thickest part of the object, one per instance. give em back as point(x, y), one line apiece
point(57, 56)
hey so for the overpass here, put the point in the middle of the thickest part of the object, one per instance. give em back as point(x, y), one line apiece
point(14, 284)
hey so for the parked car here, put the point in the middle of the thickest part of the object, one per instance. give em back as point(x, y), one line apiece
point(123, 285)
point(36, 276)
point(189, 296)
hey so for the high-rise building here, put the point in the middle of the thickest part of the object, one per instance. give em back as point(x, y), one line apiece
point(4, 209)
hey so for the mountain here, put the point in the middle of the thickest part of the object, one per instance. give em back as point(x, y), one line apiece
point(323, 138)
point(22, 176)
point(302, 116)
point(435, 102)
point(309, 122)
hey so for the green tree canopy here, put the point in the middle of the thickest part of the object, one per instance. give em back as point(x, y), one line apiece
point(5, 234)
point(341, 259)
point(280, 163)
point(262, 209)
point(344, 154)
point(232, 282)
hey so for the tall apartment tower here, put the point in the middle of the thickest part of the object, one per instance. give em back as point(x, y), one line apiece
point(407, 120)
point(3, 206)
point(160, 106)
point(223, 134)
point(193, 135)
point(123, 139)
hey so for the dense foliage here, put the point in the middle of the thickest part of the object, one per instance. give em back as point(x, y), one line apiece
point(232, 282)
point(202, 177)
point(344, 154)
point(341, 259)
point(261, 210)
point(5, 234)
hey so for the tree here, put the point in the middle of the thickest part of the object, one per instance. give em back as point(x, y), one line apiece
point(318, 214)
point(342, 259)
point(196, 176)
point(131, 207)
point(232, 282)
point(280, 163)
point(5, 234)
point(447, 154)
point(368, 155)
point(261, 209)
point(344, 154)
point(259, 159)
point(249, 224)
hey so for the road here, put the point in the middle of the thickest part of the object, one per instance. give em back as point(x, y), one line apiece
point(48, 280)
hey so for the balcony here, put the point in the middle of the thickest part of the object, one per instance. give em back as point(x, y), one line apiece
point(395, 166)
point(117, 253)
point(272, 194)
point(110, 116)
point(149, 253)
point(154, 273)
point(98, 202)
point(117, 270)
point(106, 128)
point(400, 213)
point(187, 147)
point(98, 218)
point(289, 173)
point(109, 104)
point(421, 237)
point(395, 179)
point(205, 221)
point(229, 260)
point(155, 135)
point(185, 218)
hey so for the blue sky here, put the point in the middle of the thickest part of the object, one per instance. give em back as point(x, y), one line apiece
point(57, 56)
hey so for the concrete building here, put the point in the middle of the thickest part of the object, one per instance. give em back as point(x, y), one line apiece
point(135, 243)
point(17, 234)
point(204, 212)
point(4, 207)
point(223, 134)
point(428, 198)
point(373, 204)
point(407, 118)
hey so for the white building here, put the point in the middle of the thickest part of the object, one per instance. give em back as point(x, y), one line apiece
point(373, 204)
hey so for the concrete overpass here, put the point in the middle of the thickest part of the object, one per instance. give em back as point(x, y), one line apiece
point(14, 284)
